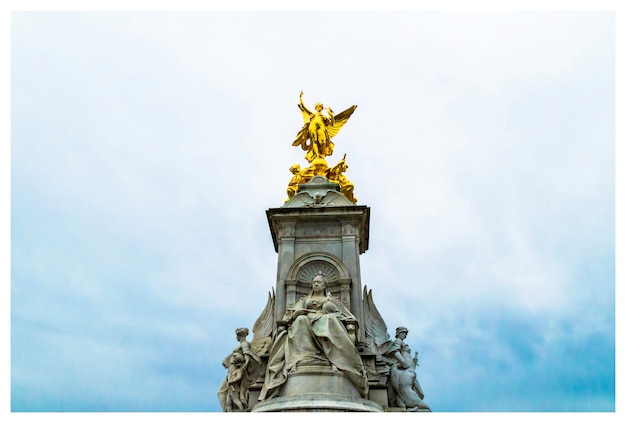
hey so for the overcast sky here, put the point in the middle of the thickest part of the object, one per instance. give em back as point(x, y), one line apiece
point(146, 148)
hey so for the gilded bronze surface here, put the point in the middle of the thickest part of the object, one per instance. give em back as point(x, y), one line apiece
point(335, 174)
point(315, 138)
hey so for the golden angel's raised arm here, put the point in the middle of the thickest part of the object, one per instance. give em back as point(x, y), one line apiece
point(306, 113)
point(318, 129)
point(303, 135)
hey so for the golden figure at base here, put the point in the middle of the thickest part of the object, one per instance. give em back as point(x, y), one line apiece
point(335, 174)
point(319, 167)
point(315, 136)
point(300, 176)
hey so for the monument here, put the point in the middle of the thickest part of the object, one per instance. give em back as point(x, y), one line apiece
point(320, 343)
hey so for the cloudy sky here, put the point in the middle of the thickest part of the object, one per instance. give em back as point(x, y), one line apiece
point(147, 146)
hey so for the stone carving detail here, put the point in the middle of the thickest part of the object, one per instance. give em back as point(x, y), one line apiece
point(349, 229)
point(318, 330)
point(243, 367)
point(286, 230)
point(317, 231)
point(317, 193)
point(263, 328)
point(311, 269)
point(402, 374)
point(395, 357)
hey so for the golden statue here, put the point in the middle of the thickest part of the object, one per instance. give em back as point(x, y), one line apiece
point(315, 136)
point(300, 176)
point(335, 174)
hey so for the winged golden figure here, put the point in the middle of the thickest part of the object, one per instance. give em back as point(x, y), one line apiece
point(315, 136)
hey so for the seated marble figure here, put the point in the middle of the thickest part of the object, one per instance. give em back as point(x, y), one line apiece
point(316, 334)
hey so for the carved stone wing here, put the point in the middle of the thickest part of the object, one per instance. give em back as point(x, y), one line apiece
point(263, 327)
point(376, 336)
point(340, 120)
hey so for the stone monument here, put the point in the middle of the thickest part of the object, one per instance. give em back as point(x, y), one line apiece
point(320, 343)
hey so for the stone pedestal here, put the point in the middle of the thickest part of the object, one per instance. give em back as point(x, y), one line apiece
point(319, 233)
point(319, 230)
point(317, 403)
point(317, 388)
point(318, 379)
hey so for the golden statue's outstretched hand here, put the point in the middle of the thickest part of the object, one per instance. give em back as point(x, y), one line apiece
point(315, 136)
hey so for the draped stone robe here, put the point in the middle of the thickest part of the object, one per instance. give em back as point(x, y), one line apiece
point(317, 337)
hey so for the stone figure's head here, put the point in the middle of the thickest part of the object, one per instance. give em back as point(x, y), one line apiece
point(242, 333)
point(319, 282)
point(401, 332)
point(237, 359)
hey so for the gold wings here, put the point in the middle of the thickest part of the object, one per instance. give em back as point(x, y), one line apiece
point(340, 120)
point(302, 139)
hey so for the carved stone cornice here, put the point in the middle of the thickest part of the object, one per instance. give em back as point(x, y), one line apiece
point(330, 221)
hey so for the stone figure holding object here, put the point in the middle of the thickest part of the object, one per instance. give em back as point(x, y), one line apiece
point(243, 367)
point(395, 355)
point(318, 330)
point(402, 374)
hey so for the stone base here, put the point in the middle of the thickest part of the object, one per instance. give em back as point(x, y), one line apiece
point(404, 410)
point(318, 379)
point(317, 387)
point(317, 403)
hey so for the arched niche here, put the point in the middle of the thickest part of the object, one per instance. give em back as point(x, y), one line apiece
point(301, 272)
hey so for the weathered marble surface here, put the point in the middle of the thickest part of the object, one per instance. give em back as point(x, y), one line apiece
point(328, 349)
point(320, 332)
